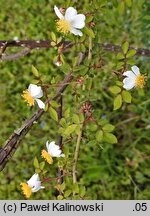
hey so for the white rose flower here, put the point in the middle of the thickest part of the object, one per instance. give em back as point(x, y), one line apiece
point(70, 22)
point(32, 185)
point(54, 150)
point(32, 94)
point(133, 79)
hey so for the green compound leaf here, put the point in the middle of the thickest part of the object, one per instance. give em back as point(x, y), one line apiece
point(117, 102)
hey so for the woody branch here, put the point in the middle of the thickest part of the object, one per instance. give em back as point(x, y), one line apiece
point(29, 45)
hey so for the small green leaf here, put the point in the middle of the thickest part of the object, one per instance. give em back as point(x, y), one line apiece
point(119, 65)
point(81, 117)
point(99, 135)
point(115, 89)
point(67, 193)
point(53, 36)
point(54, 104)
point(126, 95)
point(121, 7)
point(53, 114)
point(89, 83)
point(81, 67)
point(120, 56)
point(108, 128)
point(131, 62)
point(70, 129)
point(82, 191)
point(125, 47)
point(37, 170)
point(129, 3)
point(36, 163)
point(75, 188)
point(110, 138)
point(62, 122)
point(65, 68)
point(67, 113)
point(53, 43)
point(75, 119)
point(102, 121)
point(93, 127)
point(62, 186)
point(131, 53)
point(89, 18)
point(42, 164)
point(117, 102)
point(118, 83)
point(46, 107)
point(35, 71)
point(89, 32)
point(60, 197)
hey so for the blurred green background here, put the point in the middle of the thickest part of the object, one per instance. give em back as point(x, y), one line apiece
point(103, 168)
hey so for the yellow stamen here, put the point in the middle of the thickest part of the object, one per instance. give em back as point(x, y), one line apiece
point(140, 81)
point(28, 98)
point(63, 26)
point(47, 156)
point(26, 189)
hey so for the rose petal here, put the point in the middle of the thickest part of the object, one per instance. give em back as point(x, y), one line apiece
point(33, 179)
point(70, 13)
point(58, 13)
point(37, 186)
point(128, 83)
point(76, 32)
point(78, 21)
point(40, 103)
point(129, 74)
point(54, 150)
point(35, 91)
point(135, 70)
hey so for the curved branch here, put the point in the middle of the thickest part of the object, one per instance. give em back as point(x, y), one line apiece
point(34, 44)
point(14, 56)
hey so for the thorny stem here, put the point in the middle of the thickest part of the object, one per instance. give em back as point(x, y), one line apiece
point(54, 179)
point(90, 48)
point(29, 45)
point(76, 155)
point(60, 172)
